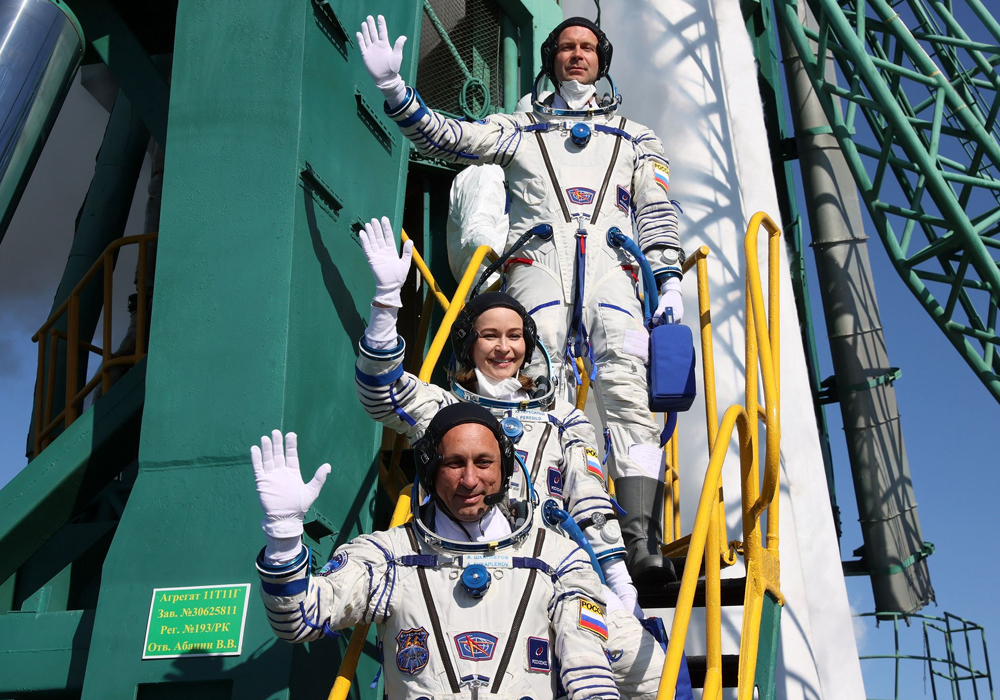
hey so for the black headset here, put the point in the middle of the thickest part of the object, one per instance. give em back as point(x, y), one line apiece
point(551, 44)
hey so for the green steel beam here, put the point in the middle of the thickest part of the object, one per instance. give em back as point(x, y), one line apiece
point(135, 72)
point(278, 150)
point(935, 167)
point(762, 30)
point(64, 478)
point(44, 652)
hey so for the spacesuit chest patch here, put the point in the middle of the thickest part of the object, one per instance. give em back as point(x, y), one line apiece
point(411, 650)
point(334, 565)
point(555, 482)
point(538, 655)
point(592, 618)
point(580, 195)
point(475, 646)
point(624, 199)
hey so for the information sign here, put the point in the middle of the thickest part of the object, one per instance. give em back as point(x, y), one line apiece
point(196, 621)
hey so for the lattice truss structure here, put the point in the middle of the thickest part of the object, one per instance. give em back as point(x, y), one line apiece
point(914, 109)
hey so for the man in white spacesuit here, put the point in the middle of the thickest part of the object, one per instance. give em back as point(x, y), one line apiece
point(442, 588)
point(575, 165)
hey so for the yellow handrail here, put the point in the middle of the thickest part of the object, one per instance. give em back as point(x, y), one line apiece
point(735, 417)
point(45, 423)
point(349, 665)
point(425, 272)
point(708, 536)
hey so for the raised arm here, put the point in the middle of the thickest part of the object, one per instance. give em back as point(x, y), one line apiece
point(491, 140)
point(357, 584)
point(395, 398)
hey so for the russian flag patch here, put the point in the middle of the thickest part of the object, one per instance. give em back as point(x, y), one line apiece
point(592, 618)
point(594, 464)
point(661, 175)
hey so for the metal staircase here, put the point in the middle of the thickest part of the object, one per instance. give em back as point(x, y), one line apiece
point(706, 549)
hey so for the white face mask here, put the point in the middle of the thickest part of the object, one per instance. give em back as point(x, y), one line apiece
point(576, 94)
point(498, 388)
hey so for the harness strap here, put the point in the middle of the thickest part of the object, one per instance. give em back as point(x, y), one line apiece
point(522, 608)
point(587, 522)
point(432, 612)
point(551, 171)
point(611, 167)
point(540, 451)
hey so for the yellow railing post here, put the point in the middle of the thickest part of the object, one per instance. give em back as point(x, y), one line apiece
point(349, 664)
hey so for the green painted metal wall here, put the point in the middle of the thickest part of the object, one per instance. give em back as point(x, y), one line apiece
point(277, 150)
point(261, 295)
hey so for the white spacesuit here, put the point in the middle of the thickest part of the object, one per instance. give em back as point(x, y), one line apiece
point(556, 443)
point(444, 604)
point(582, 171)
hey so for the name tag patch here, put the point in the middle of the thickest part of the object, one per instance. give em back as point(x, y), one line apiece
point(580, 195)
point(538, 655)
point(530, 416)
point(555, 482)
point(490, 561)
point(475, 646)
point(592, 618)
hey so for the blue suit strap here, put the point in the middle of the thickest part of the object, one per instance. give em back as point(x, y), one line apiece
point(530, 563)
point(425, 560)
point(621, 133)
point(544, 126)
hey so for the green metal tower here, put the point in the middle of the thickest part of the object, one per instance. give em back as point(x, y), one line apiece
point(928, 94)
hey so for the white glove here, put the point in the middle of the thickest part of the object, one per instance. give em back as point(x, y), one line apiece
point(388, 268)
point(618, 579)
point(284, 497)
point(670, 297)
point(381, 60)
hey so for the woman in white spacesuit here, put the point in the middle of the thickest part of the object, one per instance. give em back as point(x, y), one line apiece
point(493, 339)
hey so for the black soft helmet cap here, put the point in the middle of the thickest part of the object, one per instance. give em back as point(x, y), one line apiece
point(463, 333)
point(551, 43)
point(427, 457)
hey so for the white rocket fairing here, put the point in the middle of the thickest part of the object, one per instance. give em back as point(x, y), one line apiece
point(687, 70)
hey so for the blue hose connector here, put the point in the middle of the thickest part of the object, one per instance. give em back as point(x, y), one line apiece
point(580, 134)
point(476, 580)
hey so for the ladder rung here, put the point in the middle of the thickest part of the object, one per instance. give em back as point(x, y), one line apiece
point(730, 670)
point(731, 594)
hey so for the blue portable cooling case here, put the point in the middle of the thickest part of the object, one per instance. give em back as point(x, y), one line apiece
point(671, 368)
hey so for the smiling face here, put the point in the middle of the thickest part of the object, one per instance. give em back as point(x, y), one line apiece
point(469, 470)
point(499, 348)
point(576, 56)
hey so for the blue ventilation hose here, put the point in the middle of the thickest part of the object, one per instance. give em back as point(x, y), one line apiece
point(651, 299)
point(554, 515)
